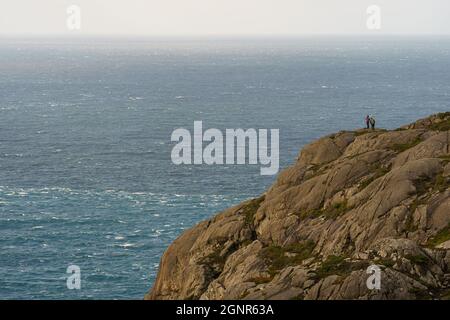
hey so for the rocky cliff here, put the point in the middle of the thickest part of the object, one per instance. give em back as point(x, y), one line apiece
point(351, 200)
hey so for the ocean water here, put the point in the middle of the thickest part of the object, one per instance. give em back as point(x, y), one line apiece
point(85, 171)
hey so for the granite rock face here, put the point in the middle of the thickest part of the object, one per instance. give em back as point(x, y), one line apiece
point(352, 200)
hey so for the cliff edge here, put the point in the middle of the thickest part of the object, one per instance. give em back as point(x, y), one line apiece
point(351, 200)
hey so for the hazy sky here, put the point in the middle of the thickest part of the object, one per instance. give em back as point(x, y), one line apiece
point(222, 17)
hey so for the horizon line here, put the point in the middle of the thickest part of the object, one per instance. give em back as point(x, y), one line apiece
point(78, 35)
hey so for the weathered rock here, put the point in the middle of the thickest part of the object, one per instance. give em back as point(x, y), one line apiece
point(351, 200)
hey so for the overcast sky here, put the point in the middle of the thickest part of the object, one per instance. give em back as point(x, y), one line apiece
point(222, 17)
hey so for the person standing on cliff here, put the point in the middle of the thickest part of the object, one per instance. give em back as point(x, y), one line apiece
point(372, 122)
point(367, 121)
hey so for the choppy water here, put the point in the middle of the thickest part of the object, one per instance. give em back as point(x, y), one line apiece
point(85, 170)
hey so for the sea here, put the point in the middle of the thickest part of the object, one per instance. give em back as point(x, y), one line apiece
point(86, 176)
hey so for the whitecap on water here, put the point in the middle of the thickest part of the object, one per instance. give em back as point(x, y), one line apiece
point(127, 245)
point(18, 155)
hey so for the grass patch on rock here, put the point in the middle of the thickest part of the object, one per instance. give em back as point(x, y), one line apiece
point(443, 115)
point(418, 259)
point(278, 257)
point(249, 210)
point(338, 265)
point(420, 294)
point(409, 225)
point(332, 212)
point(400, 147)
point(437, 183)
point(441, 183)
point(446, 158)
point(425, 188)
point(442, 236)
point(441, 126)
point(336, 210)
point(445, 295)
point(378, 172)
point(388, 263)
point(313, 213)
point(215, 263)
